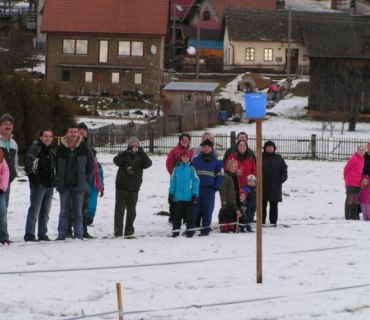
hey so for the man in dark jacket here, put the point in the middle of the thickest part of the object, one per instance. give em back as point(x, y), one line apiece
point(75, 165)
point(40, 168)
point(131, 163)
point(274, 174)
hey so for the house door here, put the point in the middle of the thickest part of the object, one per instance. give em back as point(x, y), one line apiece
point(293, 59)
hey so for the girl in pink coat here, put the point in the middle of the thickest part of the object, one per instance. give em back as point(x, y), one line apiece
point(353, 177)
point(4, 183)
point(365, 197)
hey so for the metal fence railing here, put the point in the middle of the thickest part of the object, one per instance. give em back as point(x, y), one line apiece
point(113, 139)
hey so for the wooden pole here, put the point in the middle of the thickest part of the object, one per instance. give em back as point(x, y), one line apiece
point(259, 198)
point(119, 301)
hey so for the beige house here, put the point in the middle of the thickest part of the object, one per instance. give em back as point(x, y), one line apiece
point(257, 40)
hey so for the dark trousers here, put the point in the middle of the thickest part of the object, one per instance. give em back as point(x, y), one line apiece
point(204, 209)
point(182, 210)
point(125, 201)
point(351, 205)
point(84, 214)
point(273, 214)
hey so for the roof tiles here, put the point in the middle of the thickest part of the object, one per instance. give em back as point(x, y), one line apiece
point(139, 17)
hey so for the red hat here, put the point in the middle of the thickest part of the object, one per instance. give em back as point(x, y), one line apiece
point(187, 152)
point(241, 191)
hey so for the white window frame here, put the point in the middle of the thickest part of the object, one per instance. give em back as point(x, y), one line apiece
point(137, 48)
point(250, 54)
point(69, 46)
point(82, 46)
point(138, 78)
point(268, 54)
point(115, 77)
point(103, 51)
point(124, 48)
point(89, 76)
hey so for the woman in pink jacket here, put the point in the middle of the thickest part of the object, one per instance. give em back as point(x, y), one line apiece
point(353, 177)
point(4, 184)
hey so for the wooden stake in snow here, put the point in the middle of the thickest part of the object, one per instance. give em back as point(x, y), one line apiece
point(119, 301)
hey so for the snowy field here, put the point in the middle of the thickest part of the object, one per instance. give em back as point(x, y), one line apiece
point(315, 264)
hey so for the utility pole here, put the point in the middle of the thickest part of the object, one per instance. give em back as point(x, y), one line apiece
point(198, 46)
point(289, 53)
point(174, 33)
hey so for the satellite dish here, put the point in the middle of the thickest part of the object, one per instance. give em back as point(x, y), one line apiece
point(191, 50)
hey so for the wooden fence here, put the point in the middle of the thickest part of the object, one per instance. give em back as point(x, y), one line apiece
point(113, 139)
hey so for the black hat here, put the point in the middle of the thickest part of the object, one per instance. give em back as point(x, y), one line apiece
point(207, 143)
point(269, 143)
point(82, 125)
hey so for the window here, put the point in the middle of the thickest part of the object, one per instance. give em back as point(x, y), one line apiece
point(66, 75)
point(137, 48)
point(88, 76)
point(103, 52)
point(206, 16)
point(267, 55)
point(138, 78)
point(188, 97)
point(124, 48)
point(72, 46)
point(68, 46)
point(249, 54)
point(130, 48)
point(81, 46)
point(115, 77)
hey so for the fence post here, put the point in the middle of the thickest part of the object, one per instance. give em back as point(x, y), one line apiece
point(232, 139)
point(313, 145)
point(151, 141)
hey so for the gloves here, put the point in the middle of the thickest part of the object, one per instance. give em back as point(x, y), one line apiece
point(130, 171)
point(1, 192)
point(34, 179)
point(102, 193)
point(195, 200)
point(170, 199)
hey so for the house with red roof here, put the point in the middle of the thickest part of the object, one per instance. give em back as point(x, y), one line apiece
point(209, 15)
point(105, 47)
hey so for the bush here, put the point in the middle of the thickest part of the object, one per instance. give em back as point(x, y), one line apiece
point(33, 107)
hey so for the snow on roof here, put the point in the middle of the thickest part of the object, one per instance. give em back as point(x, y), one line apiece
point(192, 86)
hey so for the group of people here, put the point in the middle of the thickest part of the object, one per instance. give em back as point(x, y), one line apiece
point(71, 168)
point(197, 174)
point(357, 183)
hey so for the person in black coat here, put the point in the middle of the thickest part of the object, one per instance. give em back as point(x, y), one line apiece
point(274, 174)
point(131, 163)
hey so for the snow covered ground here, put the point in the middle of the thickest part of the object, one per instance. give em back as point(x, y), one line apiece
point(315, 264)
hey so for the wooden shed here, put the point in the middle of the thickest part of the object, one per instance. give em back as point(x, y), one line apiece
point(193, 102)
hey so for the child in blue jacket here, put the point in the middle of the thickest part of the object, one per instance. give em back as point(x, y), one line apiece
point(183, 194)
point(96, 187)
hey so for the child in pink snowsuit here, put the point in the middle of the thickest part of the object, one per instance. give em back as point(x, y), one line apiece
point(365, 197)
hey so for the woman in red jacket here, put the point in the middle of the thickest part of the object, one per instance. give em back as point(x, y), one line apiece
point(246, 162)
point(352, 177)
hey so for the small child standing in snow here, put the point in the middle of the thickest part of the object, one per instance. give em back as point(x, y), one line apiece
point(365, 197)
point(243, 210)
point(183, 194)
point(250, 189)
point(96, 187)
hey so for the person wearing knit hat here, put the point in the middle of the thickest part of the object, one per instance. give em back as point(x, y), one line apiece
point(174, 158)
point(131, 164)
point(133, 141)
point(207, 143)
point(211, 176)
point(275, 173)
